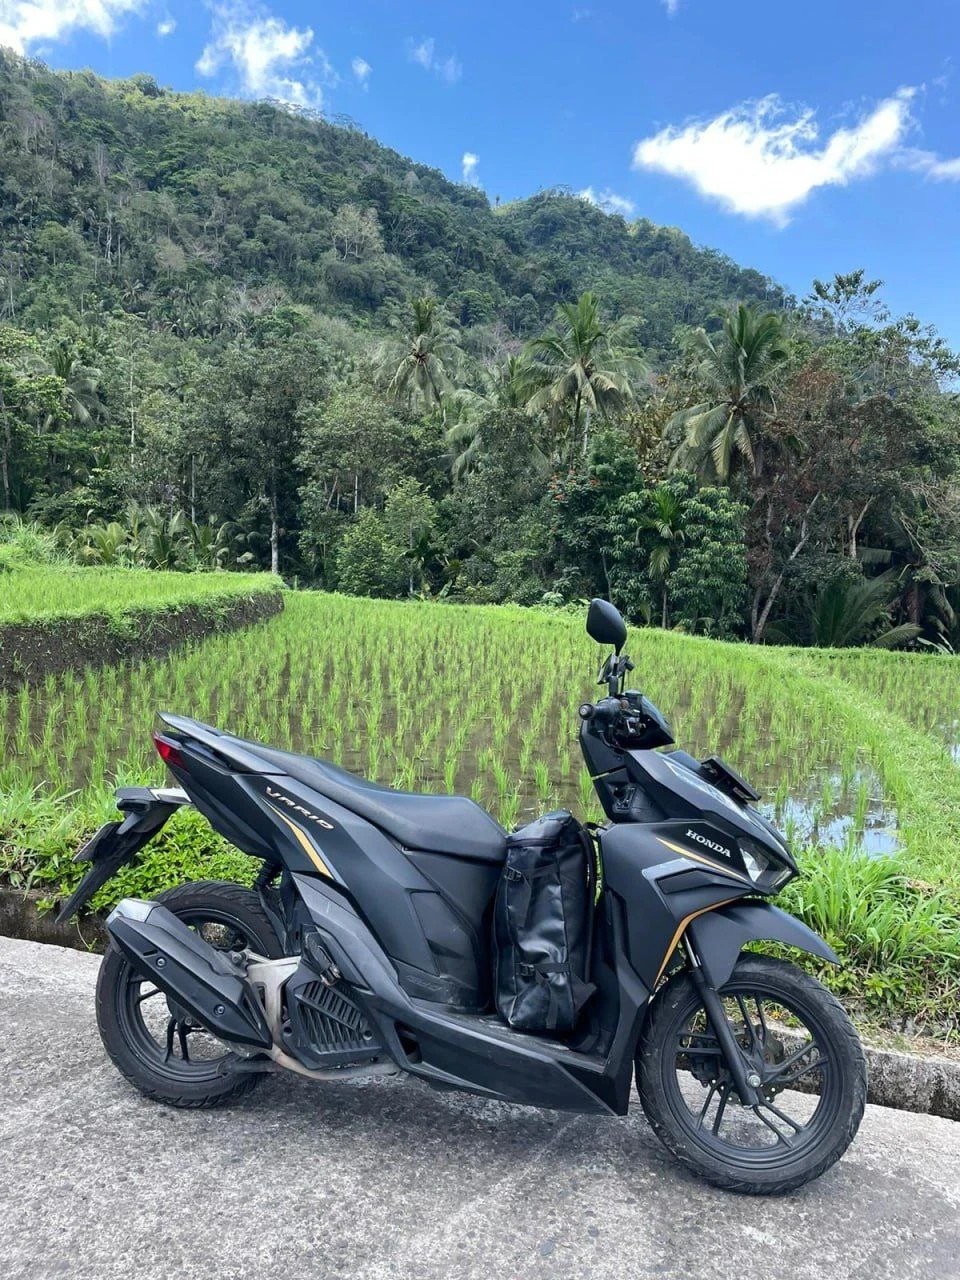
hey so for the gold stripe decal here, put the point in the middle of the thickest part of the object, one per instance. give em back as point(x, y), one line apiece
point(724, 902)
point(707, 862)
point(305, 844)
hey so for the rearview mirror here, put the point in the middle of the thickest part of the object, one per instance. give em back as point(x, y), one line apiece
point(605, 625)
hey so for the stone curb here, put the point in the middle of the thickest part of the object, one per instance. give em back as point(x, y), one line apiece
point(903, 1081)
point(21, 917)
point(910, 1082)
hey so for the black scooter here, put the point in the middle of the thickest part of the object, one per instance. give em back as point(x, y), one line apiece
point(363, 947)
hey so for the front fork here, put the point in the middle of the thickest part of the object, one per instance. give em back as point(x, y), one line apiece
point(745, 1079)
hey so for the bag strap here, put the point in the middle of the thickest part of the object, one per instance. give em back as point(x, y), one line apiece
point(580, 992)
point(514, 874)
point(534, 970)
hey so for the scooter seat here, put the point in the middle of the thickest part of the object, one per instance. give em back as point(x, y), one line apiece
point(454, 825)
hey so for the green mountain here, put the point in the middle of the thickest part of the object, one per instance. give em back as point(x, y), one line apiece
point(181, 207)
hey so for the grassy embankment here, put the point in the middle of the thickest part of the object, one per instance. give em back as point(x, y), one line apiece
point(49, 592)
point(55, 618)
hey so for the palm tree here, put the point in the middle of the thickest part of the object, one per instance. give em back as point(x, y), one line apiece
point(425, 358)
point(463, 413)
point(923, 580)
point(515, 382)
point(845, 612)
point(81, 395)
point(508, 387)
point(737, 371)
point(666, 523)
point(584, 366)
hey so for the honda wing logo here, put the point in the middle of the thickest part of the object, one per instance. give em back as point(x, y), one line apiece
point(708, 844)
point(298, 808)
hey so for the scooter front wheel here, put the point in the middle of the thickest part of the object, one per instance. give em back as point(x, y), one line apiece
point(795, 1037)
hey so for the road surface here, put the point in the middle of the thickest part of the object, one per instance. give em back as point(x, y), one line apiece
point(390, 1180)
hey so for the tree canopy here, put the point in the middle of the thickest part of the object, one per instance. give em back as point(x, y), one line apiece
point(235, 336)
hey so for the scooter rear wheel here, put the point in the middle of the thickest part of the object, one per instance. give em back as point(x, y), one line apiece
point(154, 1044)
point(795, 1037)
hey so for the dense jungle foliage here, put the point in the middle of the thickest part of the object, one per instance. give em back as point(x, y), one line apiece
point(232, 335)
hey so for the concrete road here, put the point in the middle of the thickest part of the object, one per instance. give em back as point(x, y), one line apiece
point(305, 1181)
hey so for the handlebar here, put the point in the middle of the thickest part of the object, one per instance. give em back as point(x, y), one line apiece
point(617, 716)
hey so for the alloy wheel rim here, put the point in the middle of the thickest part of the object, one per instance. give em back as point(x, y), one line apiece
point(799, 1081)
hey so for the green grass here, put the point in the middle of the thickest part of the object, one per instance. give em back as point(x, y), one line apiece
point(47, 592)
point(482, 701)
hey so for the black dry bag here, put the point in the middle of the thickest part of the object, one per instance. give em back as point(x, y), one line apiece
point(542, 925)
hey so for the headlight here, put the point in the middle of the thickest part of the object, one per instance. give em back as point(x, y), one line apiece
point(765, 871)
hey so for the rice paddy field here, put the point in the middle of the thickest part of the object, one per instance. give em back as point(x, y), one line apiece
point(49, 592)
point(855, 753)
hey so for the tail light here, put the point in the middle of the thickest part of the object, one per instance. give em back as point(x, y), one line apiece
point(169, 753)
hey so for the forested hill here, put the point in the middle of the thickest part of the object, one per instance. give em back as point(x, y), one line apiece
point(177, 207)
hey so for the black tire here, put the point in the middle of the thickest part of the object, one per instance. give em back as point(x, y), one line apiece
point(133, 1048)
point(833, 1066)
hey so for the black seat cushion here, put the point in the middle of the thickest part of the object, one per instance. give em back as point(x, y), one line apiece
point(437, 824)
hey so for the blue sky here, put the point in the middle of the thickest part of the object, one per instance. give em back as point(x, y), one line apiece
point(800, 139)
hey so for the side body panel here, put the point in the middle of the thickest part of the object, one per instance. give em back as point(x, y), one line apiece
point(428, 911)
point(476, 1054)
point(663, 884)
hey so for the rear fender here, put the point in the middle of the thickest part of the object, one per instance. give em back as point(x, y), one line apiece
point(719, 936)
point(145, 811)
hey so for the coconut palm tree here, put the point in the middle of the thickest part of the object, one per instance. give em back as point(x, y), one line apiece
point(464, 411)
point(515, 382)
point(81, 394)
point(508, 387)
point(665, 522)
point(737, 371)
point(425, 358)
point(585, 368)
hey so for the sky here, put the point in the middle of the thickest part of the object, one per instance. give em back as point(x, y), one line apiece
point(799, 139)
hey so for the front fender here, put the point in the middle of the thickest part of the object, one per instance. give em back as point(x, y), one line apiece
point(718, 936)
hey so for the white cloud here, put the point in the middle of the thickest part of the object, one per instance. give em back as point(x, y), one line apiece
point(361, 70)
point(930, 165)
point(27, 22)
point(763, 159)
point(272, 60)
point(948, 170)
point(671, 6)
point(608, 201)
point(470, 162)
point(424, 54)
point(166, 27)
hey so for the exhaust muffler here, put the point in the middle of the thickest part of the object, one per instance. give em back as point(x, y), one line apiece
point(185, 967)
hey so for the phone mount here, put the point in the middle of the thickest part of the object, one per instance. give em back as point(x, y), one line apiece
point(613, 673)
